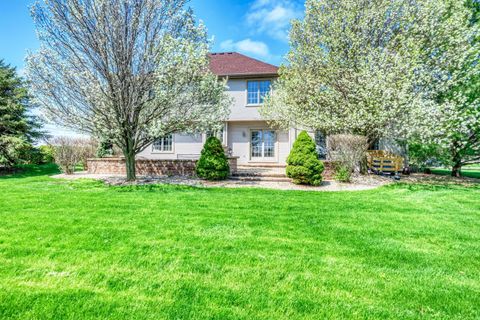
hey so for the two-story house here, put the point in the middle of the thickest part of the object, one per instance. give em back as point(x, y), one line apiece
point(246, 133)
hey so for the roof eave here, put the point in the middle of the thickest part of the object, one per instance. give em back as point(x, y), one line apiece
point(248, 75)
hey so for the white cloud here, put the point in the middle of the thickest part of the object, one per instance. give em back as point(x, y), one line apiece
point(247, 46)
point(273, 17)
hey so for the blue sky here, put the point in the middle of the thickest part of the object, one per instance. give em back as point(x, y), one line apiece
point(258, 28)
point(254, 27)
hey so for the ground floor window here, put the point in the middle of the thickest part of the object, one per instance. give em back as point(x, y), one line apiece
point(262, 143)
point(163, 144)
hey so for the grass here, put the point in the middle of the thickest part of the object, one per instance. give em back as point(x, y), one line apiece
point(82, 250)
point(468, 171)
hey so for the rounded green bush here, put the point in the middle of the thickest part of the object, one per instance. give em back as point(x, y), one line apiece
point(343, 174)
point(213, 163)
point(303, 166)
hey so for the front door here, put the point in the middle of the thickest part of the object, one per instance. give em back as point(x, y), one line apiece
point(262, 144)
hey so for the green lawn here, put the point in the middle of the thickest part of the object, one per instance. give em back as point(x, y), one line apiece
point(469, 172)
point(82, 250)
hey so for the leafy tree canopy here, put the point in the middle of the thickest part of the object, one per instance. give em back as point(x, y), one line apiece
point(131, 70)
point(350, 68)
point(395, 69)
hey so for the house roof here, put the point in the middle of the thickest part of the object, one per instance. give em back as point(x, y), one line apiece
point(234, 64)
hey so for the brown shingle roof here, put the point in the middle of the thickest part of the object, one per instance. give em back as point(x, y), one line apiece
point(236, 64)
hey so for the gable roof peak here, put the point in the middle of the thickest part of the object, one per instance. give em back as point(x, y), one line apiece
point(237, 64)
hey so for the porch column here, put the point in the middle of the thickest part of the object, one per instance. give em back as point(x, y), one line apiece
point(225, 134)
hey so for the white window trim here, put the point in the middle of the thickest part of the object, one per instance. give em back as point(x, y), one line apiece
point(274, 159)
point(165, 152)
point(246, 91)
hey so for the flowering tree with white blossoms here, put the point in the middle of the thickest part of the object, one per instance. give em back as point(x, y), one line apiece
point(129, 70)
point(451, 82)
point(350, 68)
point(398, 69)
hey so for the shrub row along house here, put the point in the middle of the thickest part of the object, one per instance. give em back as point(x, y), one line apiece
point(246, 135)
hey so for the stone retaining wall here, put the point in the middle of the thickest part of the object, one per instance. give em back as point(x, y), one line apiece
point(147, 167)
point(176, 167)
point(232, 162)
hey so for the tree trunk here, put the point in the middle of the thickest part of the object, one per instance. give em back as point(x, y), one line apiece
point(364, 165)
point(456, 170)
point(456, 159)
point(129, 154)
point(130, 164)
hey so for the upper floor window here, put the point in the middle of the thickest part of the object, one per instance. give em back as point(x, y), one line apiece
point(163, 144)
point(257, 90)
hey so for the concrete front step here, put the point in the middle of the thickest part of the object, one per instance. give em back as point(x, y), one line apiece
point(261, 165)
point(246, 173)
point(260, 178)
point(257, 173)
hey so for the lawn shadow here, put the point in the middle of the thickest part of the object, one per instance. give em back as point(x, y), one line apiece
point(26, 171)
point(467, 172)
point(434, 185)
point(156, 187)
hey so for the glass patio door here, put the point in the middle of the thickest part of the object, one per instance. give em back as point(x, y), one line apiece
point(262, 145)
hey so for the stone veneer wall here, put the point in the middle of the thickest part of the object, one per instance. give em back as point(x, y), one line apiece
point(232, 162)
point(147, 167)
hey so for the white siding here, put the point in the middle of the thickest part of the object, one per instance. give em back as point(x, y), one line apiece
point(241, 121)
point(238, 135)
point(184, 146)
point(237, 88)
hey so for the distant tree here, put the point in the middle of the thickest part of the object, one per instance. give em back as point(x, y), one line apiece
point(132, 70)
point(303, 165)
point(48, 153)
point(213, 163)
point(423, 155)
point(105, 148)
point(70, 152)
point(18, 128)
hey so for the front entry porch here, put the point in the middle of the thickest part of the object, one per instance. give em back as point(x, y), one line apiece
point(254, 142)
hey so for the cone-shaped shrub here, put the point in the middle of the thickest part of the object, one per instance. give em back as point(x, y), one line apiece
point(213, 163)
point(303, 166)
